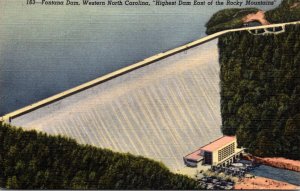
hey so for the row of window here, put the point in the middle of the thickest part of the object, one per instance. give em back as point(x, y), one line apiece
point(226, 151)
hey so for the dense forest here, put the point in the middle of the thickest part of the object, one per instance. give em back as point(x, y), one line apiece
point(31, 160)
point(260, 91)
point(287, 11)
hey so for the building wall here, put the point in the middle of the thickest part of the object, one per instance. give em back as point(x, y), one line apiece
point(208, 157)
point(216, 155)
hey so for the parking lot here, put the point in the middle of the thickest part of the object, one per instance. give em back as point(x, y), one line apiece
point(222, 178)
point(213, 182)
point(238, 169)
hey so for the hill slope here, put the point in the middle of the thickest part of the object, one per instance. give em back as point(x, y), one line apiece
point(227, 19)
point(287, 11)
point(260, 91)
point(31, 160)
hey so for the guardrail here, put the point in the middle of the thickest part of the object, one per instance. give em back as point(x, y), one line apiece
point(145, 62)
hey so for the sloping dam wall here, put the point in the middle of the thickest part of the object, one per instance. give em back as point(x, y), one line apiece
point(163, 110)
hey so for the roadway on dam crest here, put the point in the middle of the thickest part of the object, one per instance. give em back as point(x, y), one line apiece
point(135, 66)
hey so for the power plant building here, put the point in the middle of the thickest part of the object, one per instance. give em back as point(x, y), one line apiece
point(220, 152)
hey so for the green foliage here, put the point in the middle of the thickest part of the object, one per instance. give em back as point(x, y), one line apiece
point(31, 160)
point(288, 11)
point(227, 19)
point(260, 91)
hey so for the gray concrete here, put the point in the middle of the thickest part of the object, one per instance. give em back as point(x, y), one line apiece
point(162, 111)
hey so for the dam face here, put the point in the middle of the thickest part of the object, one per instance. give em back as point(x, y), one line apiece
point(162, 111)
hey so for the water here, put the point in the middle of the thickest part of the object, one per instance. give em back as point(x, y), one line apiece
point(291, 177)
point(45, 50)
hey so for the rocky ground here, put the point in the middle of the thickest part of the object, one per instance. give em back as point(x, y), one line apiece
point(278, 162)
point(263, 183)
point(259, 16)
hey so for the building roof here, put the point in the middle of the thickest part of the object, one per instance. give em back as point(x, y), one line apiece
point(212, 146)
point(215, 145)
point(196, 155)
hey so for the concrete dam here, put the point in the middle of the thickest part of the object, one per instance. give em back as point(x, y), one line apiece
point(162, 108)
point(161, 111)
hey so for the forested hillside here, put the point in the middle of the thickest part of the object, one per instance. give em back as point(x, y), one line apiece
point(31, 160)
point(260, 91)
point(288, 11)
point(227, 19)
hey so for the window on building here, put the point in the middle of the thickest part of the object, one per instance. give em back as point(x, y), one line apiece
point(226, 151)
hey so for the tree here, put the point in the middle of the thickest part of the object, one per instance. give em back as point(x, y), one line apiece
point(260, 91)
point(32, 160)
point(12, 183)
